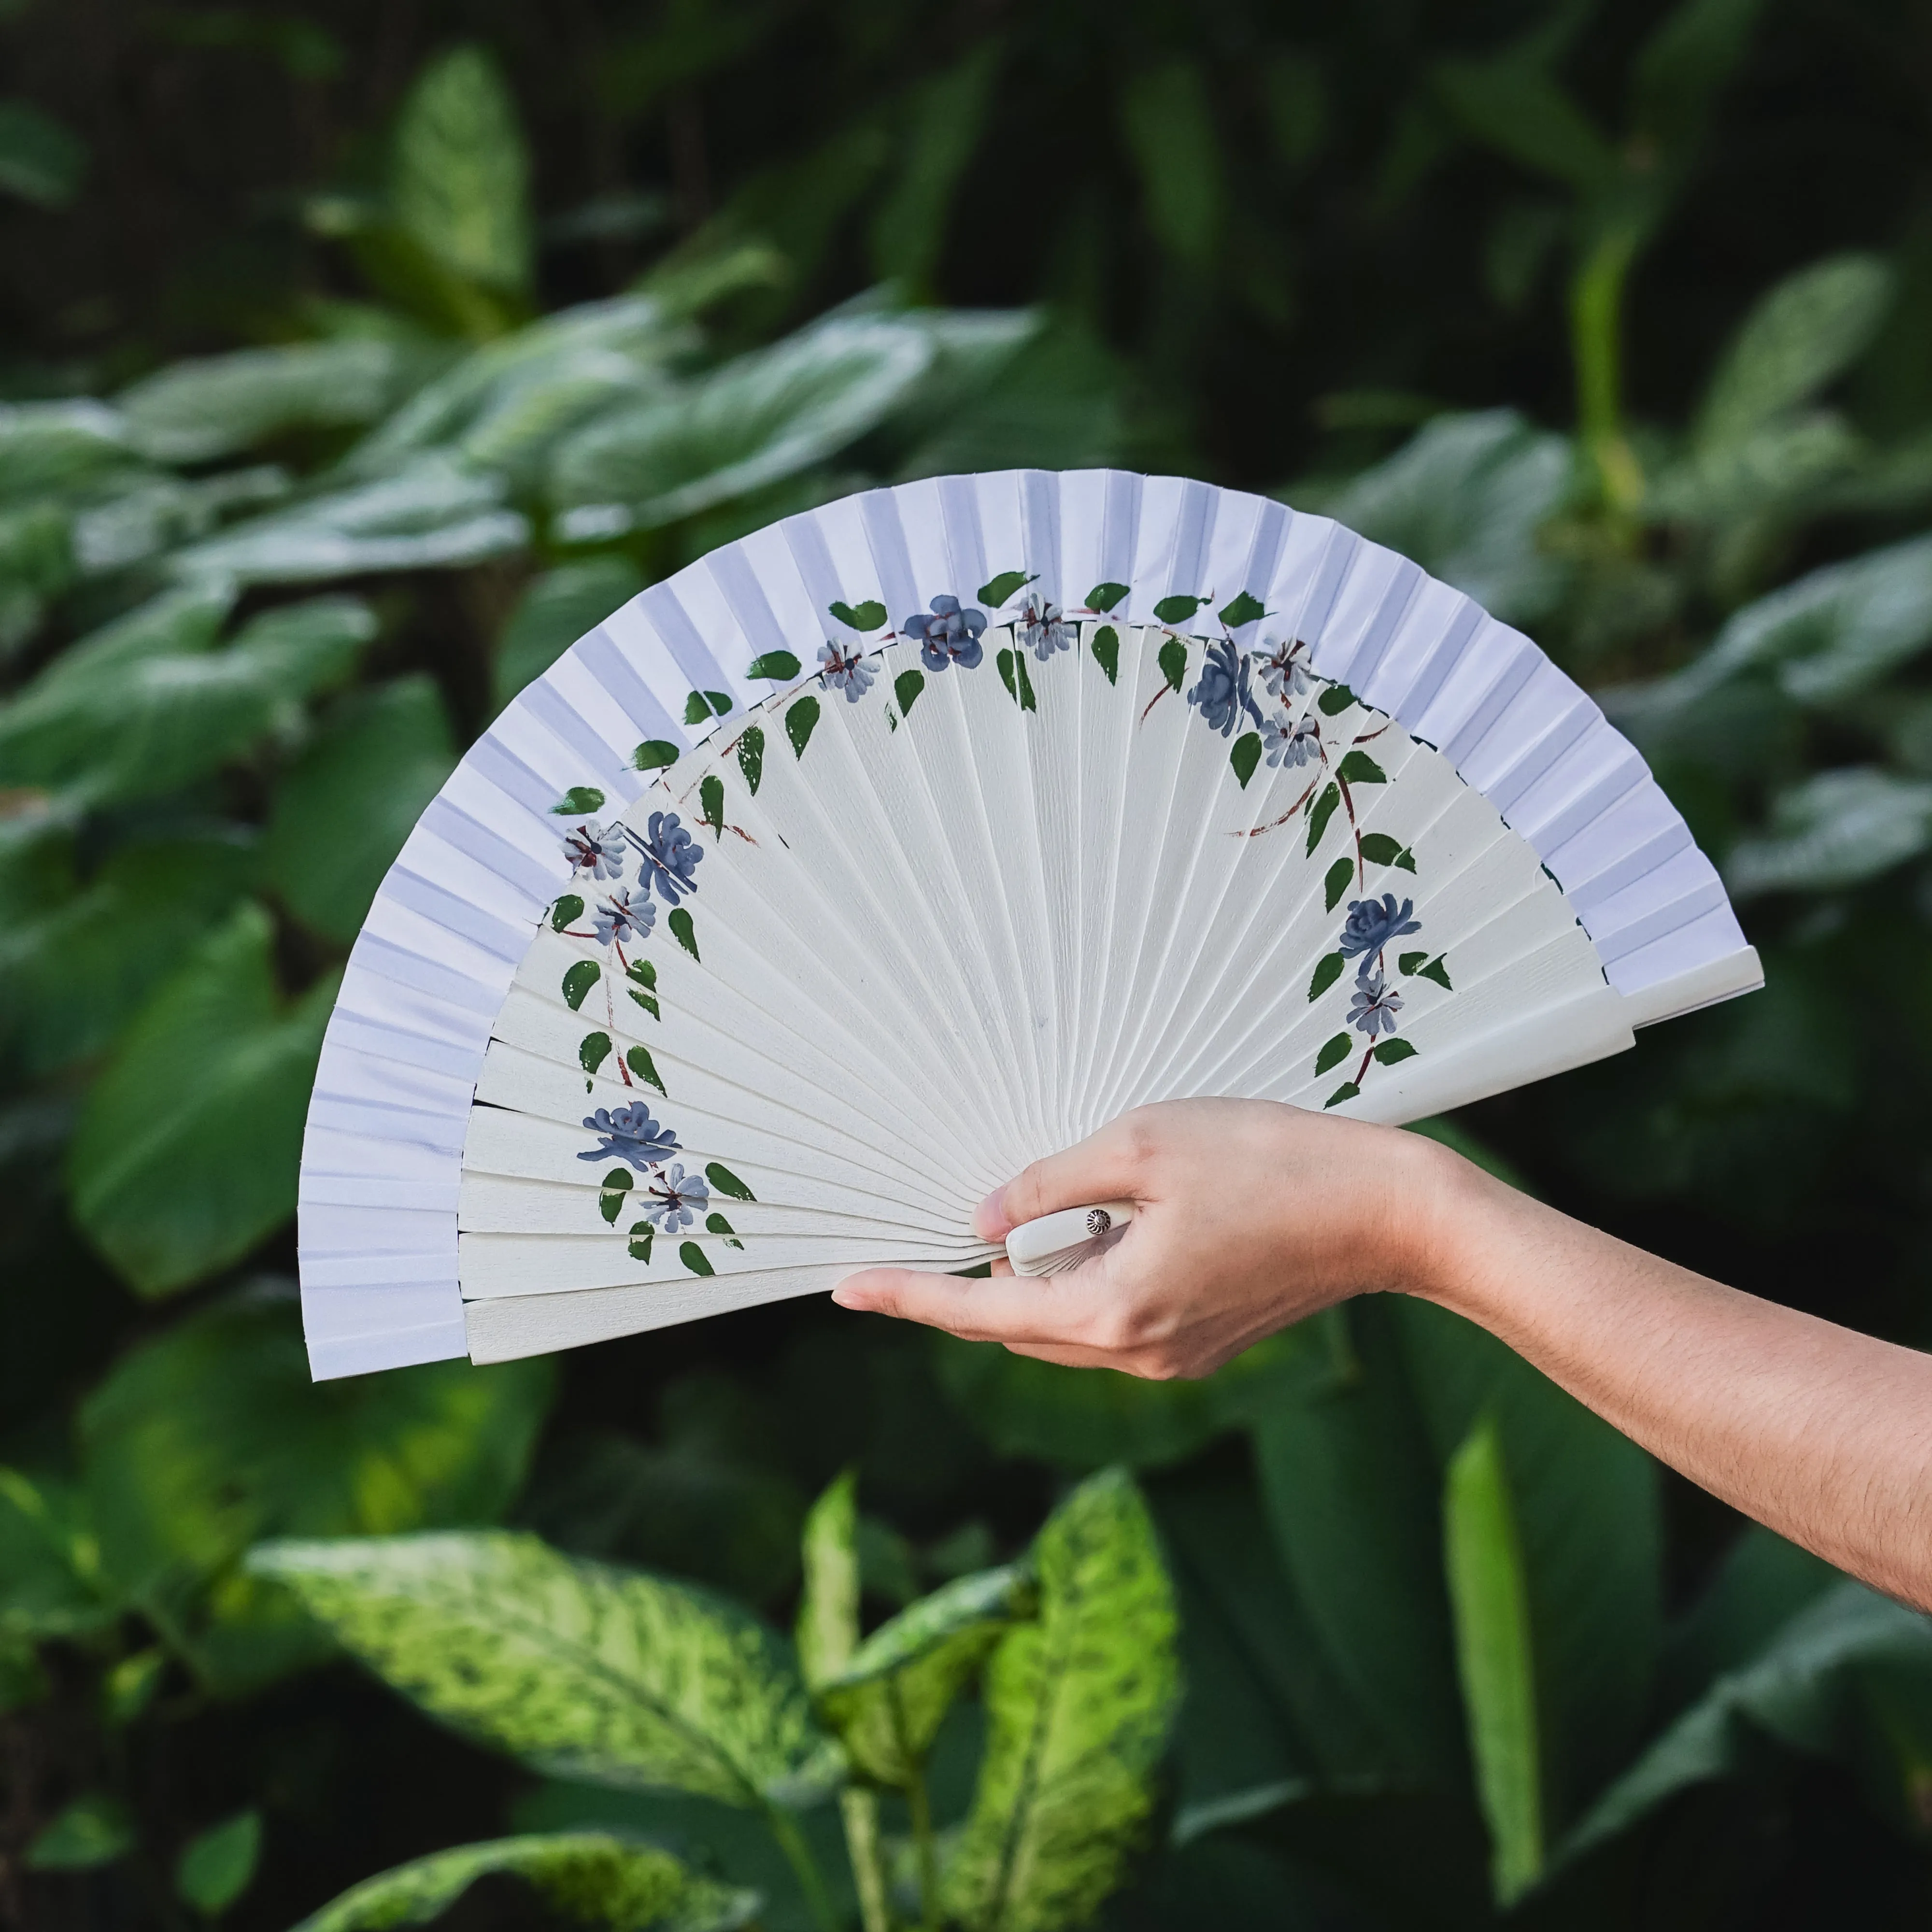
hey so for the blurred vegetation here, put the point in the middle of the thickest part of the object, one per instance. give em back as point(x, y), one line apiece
point(354, 360)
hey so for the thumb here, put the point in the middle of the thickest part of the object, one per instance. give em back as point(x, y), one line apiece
point(1105, 1166)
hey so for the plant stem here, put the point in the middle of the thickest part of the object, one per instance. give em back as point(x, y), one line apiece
point(1596, 331)
point(921, 1808)
point(810, 1881)
point(860, 1810)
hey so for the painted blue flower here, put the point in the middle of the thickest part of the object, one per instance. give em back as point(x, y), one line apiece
point(629, 1134)
point(1222, 694)
point(675, 1198)
point(667, 858)
point(853, 673)
point(624, 915)
point(1044, 628)
point(1375, 1006)
point(1372, 923)
point(589, 848)
point(950, 635)
point(1295, 744)
point(1283, 664)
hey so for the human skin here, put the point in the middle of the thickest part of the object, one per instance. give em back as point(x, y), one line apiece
point(1252, 1215)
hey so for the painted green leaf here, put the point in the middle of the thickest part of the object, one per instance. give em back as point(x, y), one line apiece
point(592, 1050)
point(869, 615)
point(1412, 962)
point(580, 1669)
point(711, 801)
point(1357, 768)
point(650, 1004)
point(721, 1177)
point(906, 687)
point(1003, 586)
point(1244, 609)
point(588, 1878)
point(1489, 1600)
point(1244, 755)
point(213, 1435)
point(643, 971)
point(1077, 1704)
point(1006, 662)
point(1107, 652)
point(1347, 1090)
point(1026, 701)
point(798, 722)
point(1405, 858)
point(1336, 699)
point(716, 1224)
point(612, 1193)
point(218, 1866)
point(641, 1232)
point(1438, 971)
point(1104, 596)
point(720, 701)
point(696, 711)
point(186, 1151)
point(1336, 882)
point(684, 932)
point(1177, 610)
point(1334, 1052)
point(751, 756)
point(568, 908)
point(887, 1703)
point(578, 978)
point(1327, 971)
point(654, 753)
point(639, 1062)
point(1324, 810)
point(577, 801)
point(1379, 849)
point(780, 666)
point(695, 1259)
point(1173, 662)
point(1390, 1051)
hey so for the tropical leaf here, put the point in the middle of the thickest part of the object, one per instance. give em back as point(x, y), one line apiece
point(94, 1830)
point(579, 1668)
point(460, 171)
point(56, 446)
point(213, 1435)
point(217, 1866)
point(755, 421)
point(591, 1878)
point(1174, 135)
point(50, 1585)
point(342, 813)
point(1077, 1706)
point(41, 159)
point(1836, 829)
point(888, 1701)
point(154, 709)
point(827, 1631)
point(185, 1154)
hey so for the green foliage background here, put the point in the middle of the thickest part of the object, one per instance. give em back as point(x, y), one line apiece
point(353, 360)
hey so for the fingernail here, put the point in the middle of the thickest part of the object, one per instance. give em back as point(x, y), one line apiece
point(988, 1214)
point(847, 1297)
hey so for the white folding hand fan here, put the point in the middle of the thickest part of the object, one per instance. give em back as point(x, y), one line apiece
point(829, 882)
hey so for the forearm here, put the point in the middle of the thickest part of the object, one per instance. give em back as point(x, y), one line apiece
point(1822, 1434)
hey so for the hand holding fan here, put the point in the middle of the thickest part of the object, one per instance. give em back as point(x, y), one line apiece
point(830, 882)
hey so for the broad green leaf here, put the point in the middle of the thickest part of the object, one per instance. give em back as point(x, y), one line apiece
point(1468, 499)
point(91, 1832)
point(432, 515)
point(50, 1585)
point(944, 119)
point(126, 725)
point(1087, 1418)
point(1836, 829)
point(217, 1866)
point(1682, 69)
point(1078, 1707)
point(41, 159)
point(1792, 1689)
point(1512, 105)
point(887, 1701)
point(176, 623)
point(1803, 335)
point(579, 1668)
point(46, 447)
point(590, 1878)
point(578, 800)
point(189, 412)
point(460, 173)
point(1489, 1599)
point(1173, 133)
point(827, 1631)
point(556, 610)
point(613, 1193)
point(341, 814)
point(69, 979)
point(185, 1154)
point(765, 416)
point(213, 1435)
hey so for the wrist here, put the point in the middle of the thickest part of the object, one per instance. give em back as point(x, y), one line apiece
point(1446, 1201)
